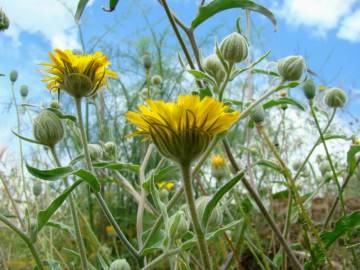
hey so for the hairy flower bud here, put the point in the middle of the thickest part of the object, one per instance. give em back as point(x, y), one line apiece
point(213, 66)
point(4, 21)
point(216, 216)
point(48, 128)
point(110, 149)
point(96, 152)
point(37, 188)
point(178, 225)
point(156, 80)
point(257, 114)
point(24, 90)
point(309, 88)
point(55, 104)
point(291, 68)
point(296, 165)
point(164, 195)
point(146, 60)
point(120, 264)
point(234, 48)
point(13, 76)
point(335, 98)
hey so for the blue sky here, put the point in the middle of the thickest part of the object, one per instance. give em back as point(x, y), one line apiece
point(326, 32)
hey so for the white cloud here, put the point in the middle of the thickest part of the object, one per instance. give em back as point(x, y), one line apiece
point(320, 15)
point(350, 27)
point(49, 18)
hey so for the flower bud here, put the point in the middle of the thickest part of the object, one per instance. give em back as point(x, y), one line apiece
point(257, 114)
point(120, 264)
point(13, 76)
point(216, 217)
point(110, 149)
point(96, 152)
point(156, 80)
point(24, 90)
point(297, 165)
point(55, 104)
point(324, 167)
point(48, 128)
point(309, 88)
point(146, 60)
point(218, 169)
point(234, 48)
point(4, 21)
point(335, 98)
point(164, 195)
point(291, 68)
point(78, 85)
point(213, 66)
point(37, 188)
point(178, 225)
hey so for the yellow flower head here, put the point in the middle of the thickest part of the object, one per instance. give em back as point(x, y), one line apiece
point(110, 230)
point(182, 130)
point(166, 185)
point(78, 75)
point(217, 161)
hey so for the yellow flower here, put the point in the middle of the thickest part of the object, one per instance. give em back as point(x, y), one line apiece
point(217, 161)
point(322, 88)
point(110, 230)
point(166, 185)
point(182, 131)
point(78, 75)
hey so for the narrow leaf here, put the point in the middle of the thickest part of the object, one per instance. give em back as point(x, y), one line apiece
point(216, 6)
point(80, 9)
point(283, 101)
point(218, 195)
point(268, 163)
point(27, 139)
point(351, 157)
point(44, 215)
point(50, 175)
point(118, 166)
point(89, 178)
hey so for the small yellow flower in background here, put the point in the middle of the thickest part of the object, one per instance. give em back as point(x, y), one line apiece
point(322, 88)
point(217, 161)
point(183, 130)
point(166, 185)
point(110, 231)
point(218, 169)
point(78, 75)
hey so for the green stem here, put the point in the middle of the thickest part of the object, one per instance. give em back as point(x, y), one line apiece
point(255, 196)
point(161, 258)
point(328, 155)
point(179, 192)
point(75, 218)
point(98, 196)
point(224, 84)
point(202, 244)
point(295, 193)
point(314, 146)
point(26, 239)
point(20, 143)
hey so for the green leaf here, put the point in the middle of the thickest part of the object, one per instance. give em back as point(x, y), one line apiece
point(216, 6)
point(89, 178)
point(286, 86)
point(27, 139)
point(202, 76)
point(80, 9)
point(50, 175)
point(284, 194)
point(253, 64)
point(44, 215)
point(205, 92)
point(342, 225)
point(112, 5)
point(351, 157)
point(282, 101)
point(268, 163)
point(61, 226)
point(332, 137)
point(118, 166)
point(265, 72)
point(218, 195)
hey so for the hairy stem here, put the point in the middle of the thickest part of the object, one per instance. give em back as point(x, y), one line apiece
point(26, 239)
point(75, 218)
point(201, 240)
point(98, 196)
